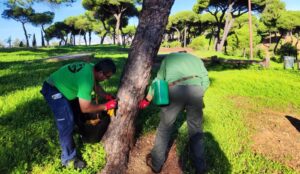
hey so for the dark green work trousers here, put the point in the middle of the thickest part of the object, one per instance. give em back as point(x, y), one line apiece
point(181, 97)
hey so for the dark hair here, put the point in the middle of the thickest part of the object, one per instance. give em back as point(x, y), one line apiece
point(105, 65)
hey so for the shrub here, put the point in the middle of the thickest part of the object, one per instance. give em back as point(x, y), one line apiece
point(199, 43)
point(172, 44)
point(175, 44)
point(287, 49)
point(165, 44)
point(21, 44)
point(260, 52)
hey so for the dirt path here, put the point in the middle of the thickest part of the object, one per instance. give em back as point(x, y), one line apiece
point(137, 162)
point(275, 134)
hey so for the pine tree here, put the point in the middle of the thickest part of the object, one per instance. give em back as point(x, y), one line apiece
point(33, 41)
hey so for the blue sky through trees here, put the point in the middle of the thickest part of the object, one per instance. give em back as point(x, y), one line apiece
point(13, 29)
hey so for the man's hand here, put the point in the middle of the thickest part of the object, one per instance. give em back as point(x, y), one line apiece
point(108, 97)
point(110, 104)
point(143, 104)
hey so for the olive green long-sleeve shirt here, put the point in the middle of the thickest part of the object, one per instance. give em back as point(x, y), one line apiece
point(179, 65)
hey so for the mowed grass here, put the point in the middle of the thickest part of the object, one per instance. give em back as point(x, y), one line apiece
point(29, 143)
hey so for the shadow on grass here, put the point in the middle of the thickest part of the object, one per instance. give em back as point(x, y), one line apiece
point(225, 66)
point(53, 51)
point(294, 121)
point(28, 137)
point(216, 160)
point(31, 73)
point(25, 74)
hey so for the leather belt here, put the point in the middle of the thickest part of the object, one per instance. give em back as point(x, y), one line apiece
point(180, 80)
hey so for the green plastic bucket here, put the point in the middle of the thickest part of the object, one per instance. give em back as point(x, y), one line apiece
point(161, 92)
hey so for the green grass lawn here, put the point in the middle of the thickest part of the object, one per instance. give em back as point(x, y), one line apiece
point(29, 143)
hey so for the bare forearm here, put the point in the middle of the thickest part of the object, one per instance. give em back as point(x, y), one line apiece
point(94, 108)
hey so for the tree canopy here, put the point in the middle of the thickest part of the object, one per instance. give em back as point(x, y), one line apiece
point(116, 8)
point(19, 14)
point(229, 9)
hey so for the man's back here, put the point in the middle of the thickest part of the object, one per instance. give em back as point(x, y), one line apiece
point(180, 65)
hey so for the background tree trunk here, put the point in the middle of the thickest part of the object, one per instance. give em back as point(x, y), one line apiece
point(42, 41)
point(26, 35)
point(102, 38)
point(90, 37)
point(185, 33)
point(119, 137)
point(228, 24)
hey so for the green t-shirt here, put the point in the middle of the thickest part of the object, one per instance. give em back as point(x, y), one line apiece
point(74, 80)
point(176, 66)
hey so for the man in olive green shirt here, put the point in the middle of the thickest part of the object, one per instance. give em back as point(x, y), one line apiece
point(188, 79)
point(76, 81)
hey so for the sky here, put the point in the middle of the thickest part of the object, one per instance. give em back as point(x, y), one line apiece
point(13, 29)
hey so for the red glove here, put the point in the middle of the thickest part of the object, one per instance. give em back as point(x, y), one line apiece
point(108, 97)
point(143, 104)
point(111, 104)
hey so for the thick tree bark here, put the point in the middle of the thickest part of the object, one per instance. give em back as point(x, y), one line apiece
point(119, 137)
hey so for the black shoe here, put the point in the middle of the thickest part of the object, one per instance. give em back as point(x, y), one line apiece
point(149, 163)
point(76, 164)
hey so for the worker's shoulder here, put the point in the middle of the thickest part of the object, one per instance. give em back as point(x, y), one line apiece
point(181, 57)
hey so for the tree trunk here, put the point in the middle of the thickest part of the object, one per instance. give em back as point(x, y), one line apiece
point(84, 37)
point(74, 39)
point(67, 38)
point(42, 37)
point(277, 43)
point(119, 137)
point(228, 24)
point(184, 40)
point(26, 36)
point(224, 37)
point(114, 37)
point(219, 26)
point(79, 37)
point(177, 32)
point(118, 28)
point(90, 37)
point(43, 28)
point(103, 37)
point(270, 39)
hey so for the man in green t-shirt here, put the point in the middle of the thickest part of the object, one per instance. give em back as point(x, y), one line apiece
point(70, 82)
point(187, 80)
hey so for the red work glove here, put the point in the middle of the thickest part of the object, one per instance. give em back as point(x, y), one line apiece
point(108, 97)
point(110, 104)
point(143, 104)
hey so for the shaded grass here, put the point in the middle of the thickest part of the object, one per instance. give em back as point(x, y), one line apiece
point(29, 142)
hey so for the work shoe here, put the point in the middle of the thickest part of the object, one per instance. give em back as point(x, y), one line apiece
point(76, 164)
point(149, 163)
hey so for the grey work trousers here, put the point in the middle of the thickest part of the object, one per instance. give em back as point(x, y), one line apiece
point(190, 98)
